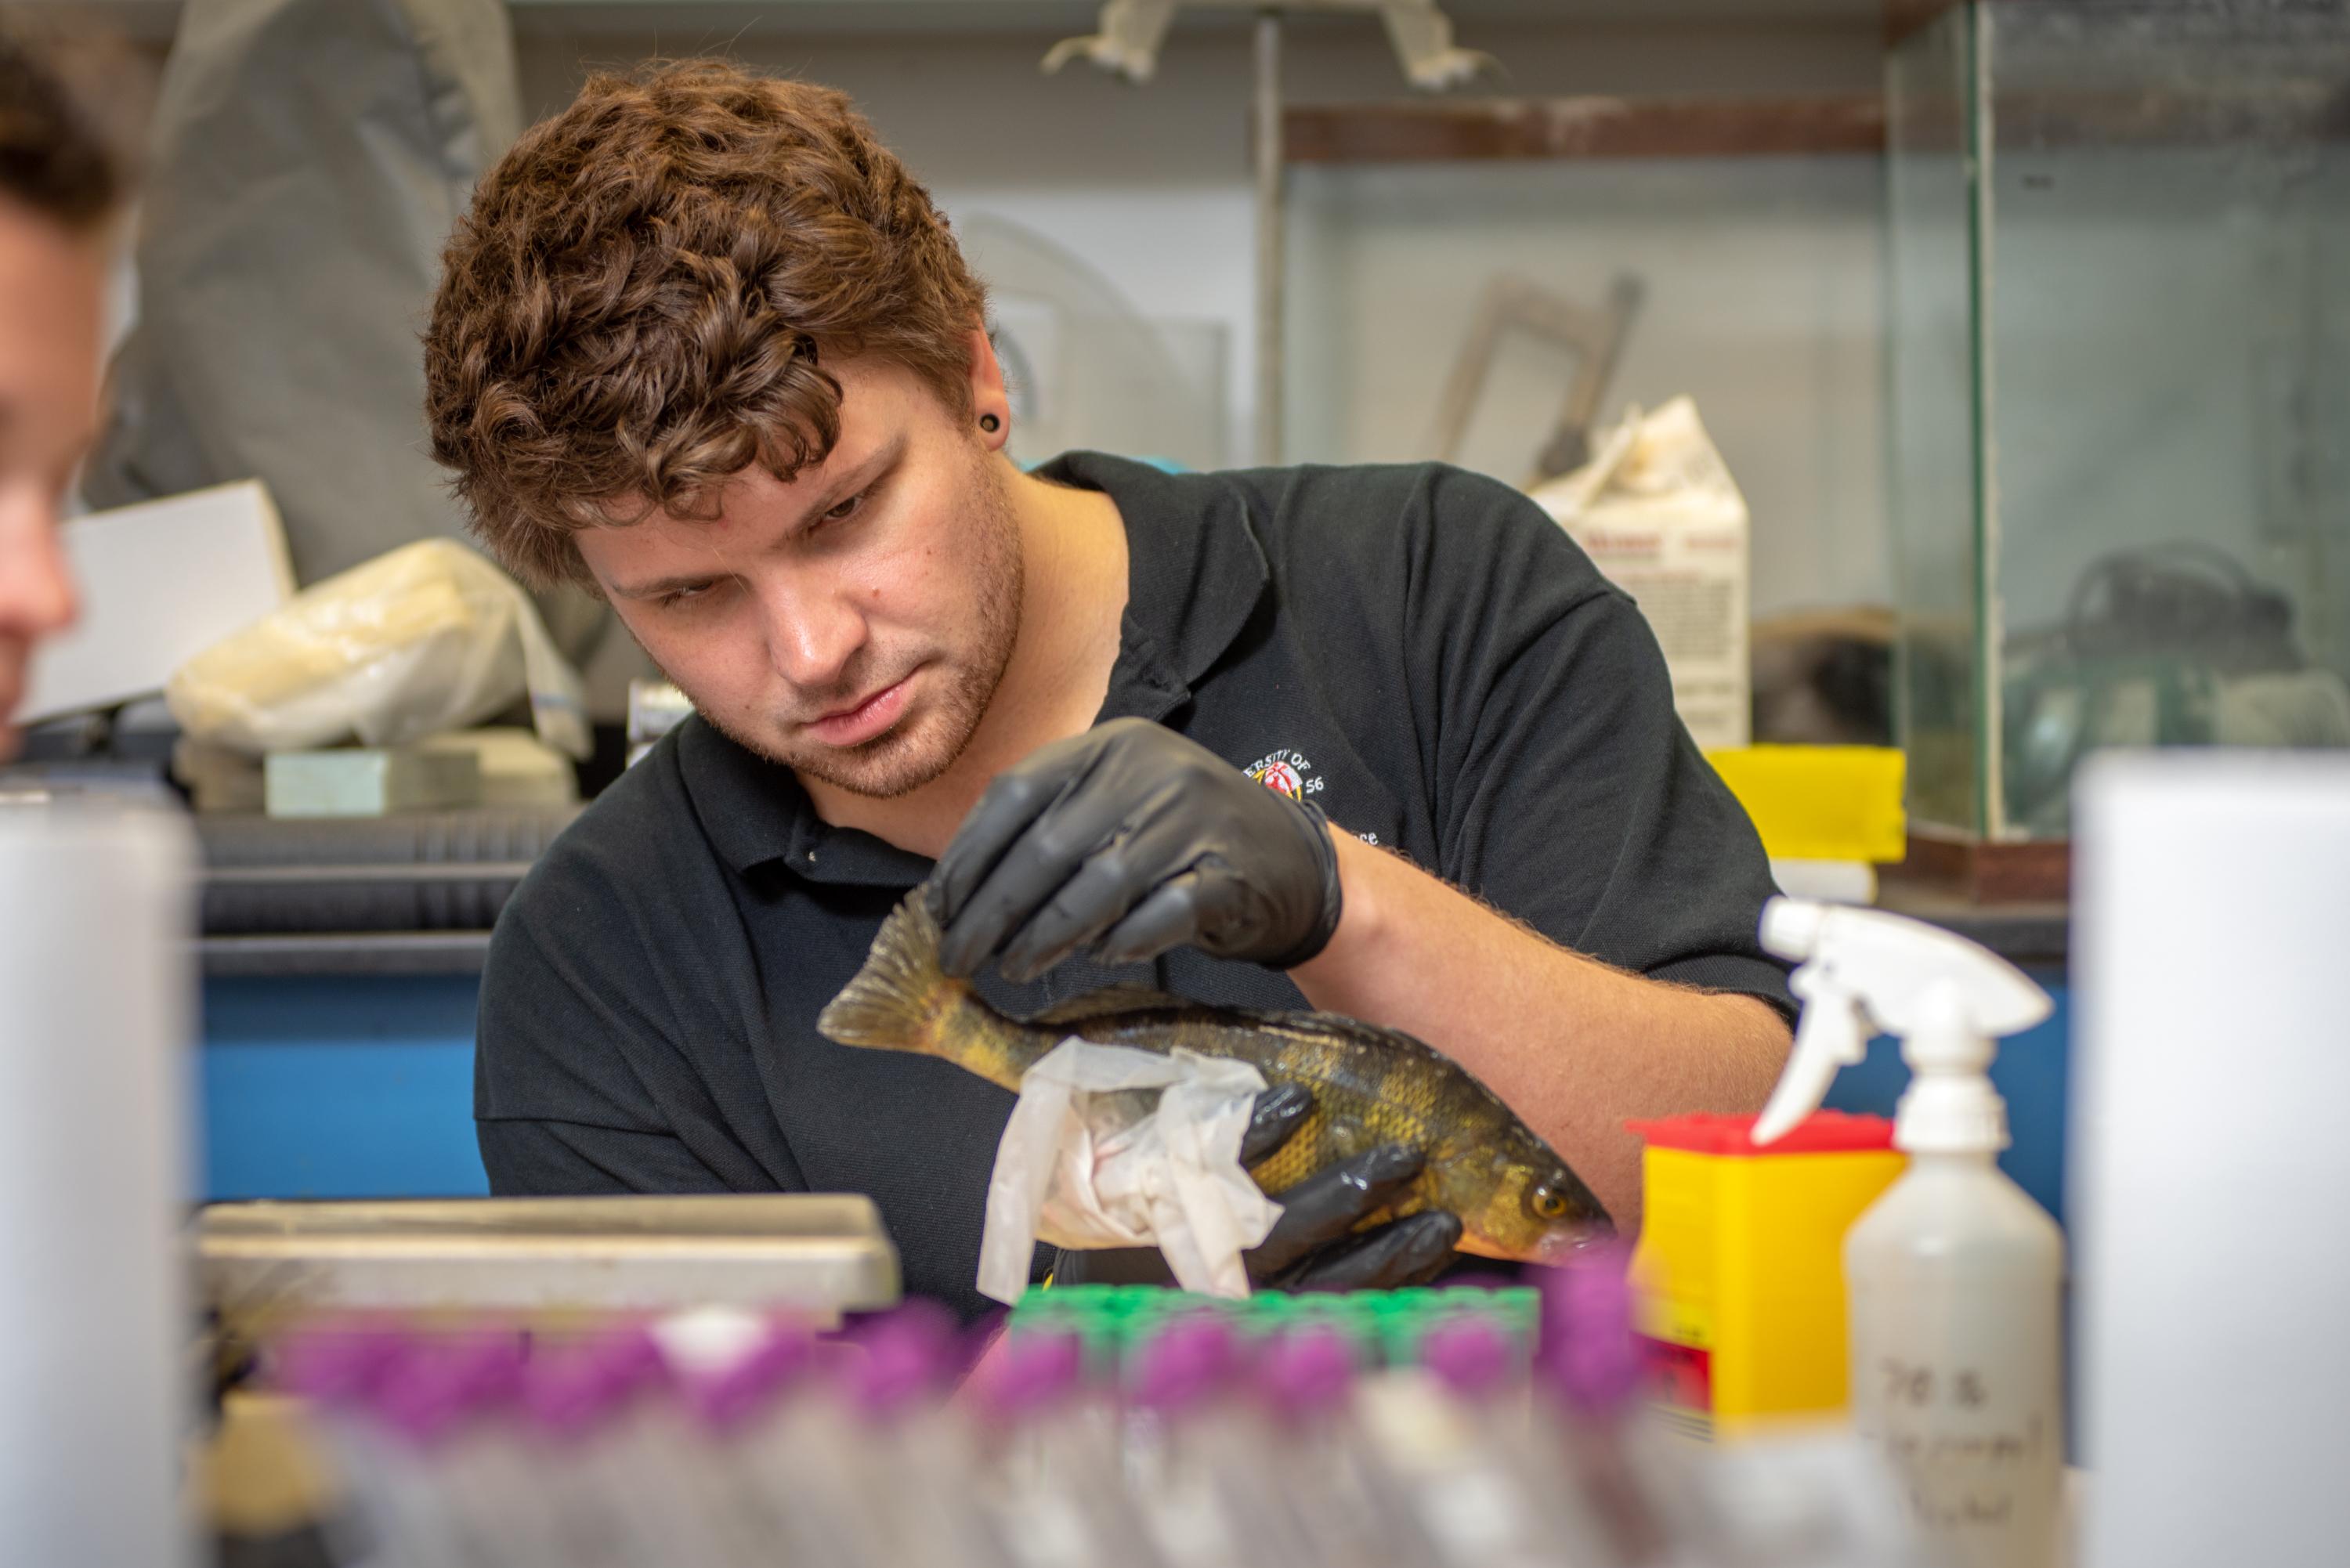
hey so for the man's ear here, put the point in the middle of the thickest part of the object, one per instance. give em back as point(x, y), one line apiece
point(991, 403)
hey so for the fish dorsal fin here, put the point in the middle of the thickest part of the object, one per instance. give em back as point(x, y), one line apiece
point(1354, 1031)
point(1109, 1000)
point(1340, 1026)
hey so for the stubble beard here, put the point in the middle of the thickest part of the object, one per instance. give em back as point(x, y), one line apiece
point(913, 754)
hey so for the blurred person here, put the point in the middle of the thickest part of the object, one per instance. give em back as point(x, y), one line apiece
point(58, 188)
point(705, 345)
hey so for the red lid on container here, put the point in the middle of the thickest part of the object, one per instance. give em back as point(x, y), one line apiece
point(1821, 1132)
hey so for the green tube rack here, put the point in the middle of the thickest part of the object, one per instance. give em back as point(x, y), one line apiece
point(1114, 1322)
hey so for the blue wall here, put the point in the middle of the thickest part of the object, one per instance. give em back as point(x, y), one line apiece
point(333, 1087)
point(318, 1087)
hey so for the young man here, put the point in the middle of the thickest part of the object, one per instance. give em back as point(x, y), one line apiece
point(704, 344)
point(56, 188)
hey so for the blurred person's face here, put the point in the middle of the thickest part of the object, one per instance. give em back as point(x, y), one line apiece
point(854, 623)
point(50, 282)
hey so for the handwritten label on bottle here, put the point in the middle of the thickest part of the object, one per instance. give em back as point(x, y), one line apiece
point(1967, 1458)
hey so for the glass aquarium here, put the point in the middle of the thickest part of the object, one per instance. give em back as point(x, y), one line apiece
point(2119, 379)
point(1502, 314)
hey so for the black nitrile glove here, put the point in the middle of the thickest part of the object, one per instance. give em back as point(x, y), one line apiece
point(1313, 1245)
point(1128, 840)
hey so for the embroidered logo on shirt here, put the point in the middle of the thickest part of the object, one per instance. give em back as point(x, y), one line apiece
point(1286, 773)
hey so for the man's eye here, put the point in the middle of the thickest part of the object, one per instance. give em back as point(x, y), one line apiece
point(676, 597)
point(845, 510)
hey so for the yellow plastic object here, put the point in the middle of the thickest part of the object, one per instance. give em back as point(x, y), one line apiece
point(1739, 1274)
point(1821, 803)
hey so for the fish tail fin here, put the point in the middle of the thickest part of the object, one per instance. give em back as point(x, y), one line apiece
point(901, 999)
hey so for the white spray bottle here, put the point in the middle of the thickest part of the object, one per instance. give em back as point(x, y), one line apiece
point(1955, 1276)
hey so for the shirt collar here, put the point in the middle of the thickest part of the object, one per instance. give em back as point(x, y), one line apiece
point(1196, 574)
point(1196, 571)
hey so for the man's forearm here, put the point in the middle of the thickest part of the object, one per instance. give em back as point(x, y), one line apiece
point(1573, 1046)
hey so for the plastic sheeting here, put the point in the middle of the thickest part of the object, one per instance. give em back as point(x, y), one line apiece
point(310, 159)
point(426, 639)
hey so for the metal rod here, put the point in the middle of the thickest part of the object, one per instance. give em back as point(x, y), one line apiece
point(1270, 219)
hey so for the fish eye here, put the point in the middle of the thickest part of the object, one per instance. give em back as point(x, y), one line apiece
point(1548, 1202)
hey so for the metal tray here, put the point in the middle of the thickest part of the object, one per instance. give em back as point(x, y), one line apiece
point(819, 1254)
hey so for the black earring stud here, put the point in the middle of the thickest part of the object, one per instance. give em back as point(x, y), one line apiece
point(990, 423)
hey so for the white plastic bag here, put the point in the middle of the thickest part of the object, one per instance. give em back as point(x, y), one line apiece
point(425, 638)
point(1110, 1147)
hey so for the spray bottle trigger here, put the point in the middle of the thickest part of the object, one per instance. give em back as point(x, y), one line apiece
point(1833, 1035)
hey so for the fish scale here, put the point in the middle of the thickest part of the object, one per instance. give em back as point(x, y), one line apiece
point(1515, 1197)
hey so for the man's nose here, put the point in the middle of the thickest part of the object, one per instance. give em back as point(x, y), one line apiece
point(36, 591)
point(813, 630)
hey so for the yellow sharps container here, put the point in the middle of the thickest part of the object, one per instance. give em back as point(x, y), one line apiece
point(1739, 1274)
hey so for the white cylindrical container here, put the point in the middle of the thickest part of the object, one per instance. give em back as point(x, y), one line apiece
point(1956, 1321)
point(95, 1011)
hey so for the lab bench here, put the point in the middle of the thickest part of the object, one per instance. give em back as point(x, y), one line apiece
point(339, 1064)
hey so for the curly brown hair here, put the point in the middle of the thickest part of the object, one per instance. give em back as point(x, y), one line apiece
point(641, 302)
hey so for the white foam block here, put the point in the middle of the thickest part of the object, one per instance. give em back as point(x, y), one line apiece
point(2211, 1069)
point(158, 583)
point(369, 780)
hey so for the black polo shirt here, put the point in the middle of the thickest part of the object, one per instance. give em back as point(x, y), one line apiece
point(1417, 650)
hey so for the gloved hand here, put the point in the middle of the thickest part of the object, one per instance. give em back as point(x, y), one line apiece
point(1128, 840)
point(1313, 1246)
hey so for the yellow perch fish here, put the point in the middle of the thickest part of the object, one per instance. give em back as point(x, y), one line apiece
point(1515, 1199)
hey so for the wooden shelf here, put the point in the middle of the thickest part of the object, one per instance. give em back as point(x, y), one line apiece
point(1978, 872)
point(149, 17)
point(1429, 131)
